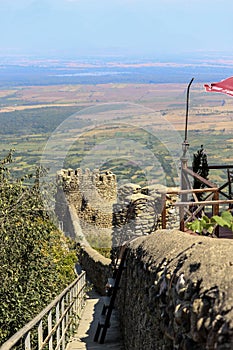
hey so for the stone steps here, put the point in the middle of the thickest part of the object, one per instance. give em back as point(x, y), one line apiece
point(83, 338)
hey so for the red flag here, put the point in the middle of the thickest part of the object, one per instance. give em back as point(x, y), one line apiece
point(224, 86)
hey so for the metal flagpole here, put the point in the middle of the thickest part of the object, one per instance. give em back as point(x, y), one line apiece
point(186, 118)
point(184, 159)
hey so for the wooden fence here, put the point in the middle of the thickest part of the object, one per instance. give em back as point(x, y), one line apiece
point(192, 209)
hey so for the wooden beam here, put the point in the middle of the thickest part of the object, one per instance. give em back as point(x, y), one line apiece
point(200, 178)
point(163, 200)
point(193, 204)
point(196, 190)
point(181, 213)
point(200, 207)
point(215, 211)
point(226, 166)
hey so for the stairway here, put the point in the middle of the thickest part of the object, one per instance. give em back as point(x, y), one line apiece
point(82, 339)
point(112, 287)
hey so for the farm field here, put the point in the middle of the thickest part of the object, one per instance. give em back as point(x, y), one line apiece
point(117, 124)
point(169, 99)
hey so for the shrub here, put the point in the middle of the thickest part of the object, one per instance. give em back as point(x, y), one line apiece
point(206, 225)
point(36, 261)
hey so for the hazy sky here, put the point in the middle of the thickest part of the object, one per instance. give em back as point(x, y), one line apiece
point(142, 27)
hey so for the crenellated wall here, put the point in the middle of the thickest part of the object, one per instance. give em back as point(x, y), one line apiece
point(85, 182)
point(91, 195)
point(109, 215)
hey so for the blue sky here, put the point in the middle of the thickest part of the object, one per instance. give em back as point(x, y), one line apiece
point(126, 27)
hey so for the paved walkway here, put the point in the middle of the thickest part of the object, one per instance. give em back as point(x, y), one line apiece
point(83, 339)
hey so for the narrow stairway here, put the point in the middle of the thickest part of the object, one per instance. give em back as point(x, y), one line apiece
point(84, 336)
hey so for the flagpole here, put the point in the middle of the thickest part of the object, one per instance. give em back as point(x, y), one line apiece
point(185, 144)
point(184, 160)
point(187, 112)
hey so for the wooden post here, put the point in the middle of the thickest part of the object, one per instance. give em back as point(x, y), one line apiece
point(229, 177)
point(215, 210)
point(181, 211)
point(163, 200)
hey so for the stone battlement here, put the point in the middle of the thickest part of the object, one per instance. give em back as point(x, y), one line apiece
point(111, 215)
point(91, 194)
point(79, 180)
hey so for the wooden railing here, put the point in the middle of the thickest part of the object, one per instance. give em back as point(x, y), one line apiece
point(212, 198)
point(182, 205)
point(50, 329)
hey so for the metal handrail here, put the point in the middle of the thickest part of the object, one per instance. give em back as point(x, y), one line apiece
point(60, 314)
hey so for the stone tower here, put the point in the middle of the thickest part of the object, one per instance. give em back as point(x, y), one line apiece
point(91, 195)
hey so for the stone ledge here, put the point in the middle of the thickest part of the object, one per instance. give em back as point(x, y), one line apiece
point(96, 256)
point(97, 267)
point(177, 293)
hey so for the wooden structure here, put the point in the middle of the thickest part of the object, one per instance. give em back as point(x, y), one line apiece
point(190, 210)
point(193, 208)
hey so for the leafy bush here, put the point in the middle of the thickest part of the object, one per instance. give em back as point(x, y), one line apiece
point(206, 225)
point(36, 262)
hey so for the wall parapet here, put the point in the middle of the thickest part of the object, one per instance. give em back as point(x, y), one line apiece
point(176, 293)
point(97, 267)
point(138, 211)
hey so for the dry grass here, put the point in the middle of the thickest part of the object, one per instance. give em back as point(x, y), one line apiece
point(207, 111)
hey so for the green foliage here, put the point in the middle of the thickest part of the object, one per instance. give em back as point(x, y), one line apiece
point(206, 225)
point(106, 252)
point(36, 120)
point(36, 262)
point(118, 159)
point(200, 166)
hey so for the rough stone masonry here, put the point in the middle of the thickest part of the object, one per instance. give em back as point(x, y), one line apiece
point(103, 210)
point(177, 293)
point(92, 195)
point(138, 211)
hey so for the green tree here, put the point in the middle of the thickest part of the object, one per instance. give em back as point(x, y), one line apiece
point(200, 166)
point(36, 262)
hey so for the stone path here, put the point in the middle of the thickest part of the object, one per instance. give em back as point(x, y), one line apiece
point(83, 339)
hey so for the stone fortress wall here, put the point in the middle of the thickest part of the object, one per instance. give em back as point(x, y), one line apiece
point(138, 211)
point(92, 195)
point(176, 290)
point(176, 293)
point(112, 215)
